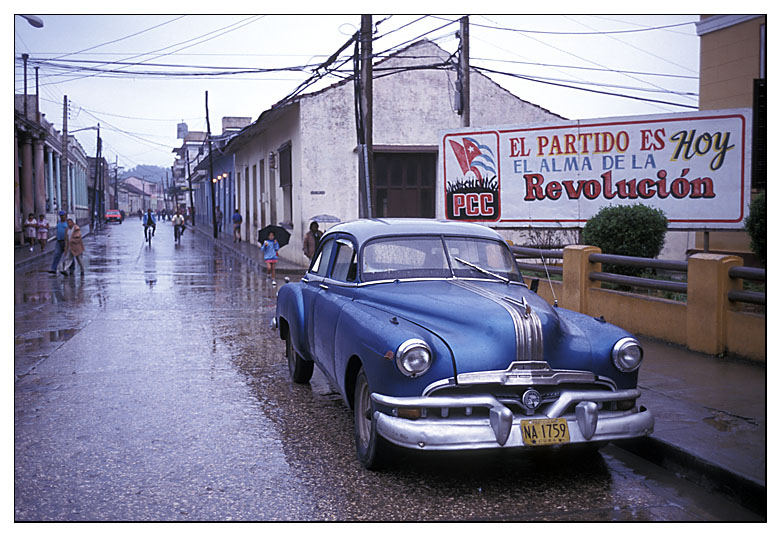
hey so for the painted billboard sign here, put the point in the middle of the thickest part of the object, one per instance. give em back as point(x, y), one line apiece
point(694, 166)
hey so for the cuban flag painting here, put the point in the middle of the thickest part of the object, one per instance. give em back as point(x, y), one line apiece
point(472, 194)
point(474, 157)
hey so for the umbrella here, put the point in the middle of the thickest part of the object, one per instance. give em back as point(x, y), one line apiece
point(325, 219)
point(280, 234)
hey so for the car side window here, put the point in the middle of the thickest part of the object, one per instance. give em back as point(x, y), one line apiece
point(320, 265)
point(345, 266)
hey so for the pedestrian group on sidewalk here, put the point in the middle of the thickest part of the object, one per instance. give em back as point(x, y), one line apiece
point(69, 247)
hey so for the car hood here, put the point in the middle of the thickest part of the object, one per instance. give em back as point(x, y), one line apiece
point(479, 322)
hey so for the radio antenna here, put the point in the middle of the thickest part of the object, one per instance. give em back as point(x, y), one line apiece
point(553, 294)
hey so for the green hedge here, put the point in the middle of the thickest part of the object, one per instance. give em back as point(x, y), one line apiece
point(633, 230)
point(756, 225)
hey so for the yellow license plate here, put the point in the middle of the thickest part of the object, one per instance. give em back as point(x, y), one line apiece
point(544, 432)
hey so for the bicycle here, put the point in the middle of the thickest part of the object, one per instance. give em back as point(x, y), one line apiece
point(178, 232)
point(149, 233)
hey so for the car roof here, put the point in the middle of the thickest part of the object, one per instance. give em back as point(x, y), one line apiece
point(367, 229)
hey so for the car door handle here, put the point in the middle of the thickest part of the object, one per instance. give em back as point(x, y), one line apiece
point(324, 287)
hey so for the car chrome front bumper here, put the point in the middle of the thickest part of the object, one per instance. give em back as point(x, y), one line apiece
point(501, 427)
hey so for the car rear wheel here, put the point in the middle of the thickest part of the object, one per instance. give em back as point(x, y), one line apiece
point(300, 370)
point(371, 448)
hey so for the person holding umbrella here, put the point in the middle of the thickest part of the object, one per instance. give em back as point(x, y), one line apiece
point(270, 247)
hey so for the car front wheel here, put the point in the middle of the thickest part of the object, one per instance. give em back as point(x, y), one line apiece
point(371, 448)
point(300, 370)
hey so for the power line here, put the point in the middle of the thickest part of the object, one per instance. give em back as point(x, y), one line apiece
point(533, 79)
point(225, 29)
point(638, 48)
point(580, 67)
point(131, 117)
point(589, 61)
point(595, 32)
point(605, 85)
point(121, 38)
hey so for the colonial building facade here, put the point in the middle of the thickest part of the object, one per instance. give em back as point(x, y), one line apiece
point(40, 187)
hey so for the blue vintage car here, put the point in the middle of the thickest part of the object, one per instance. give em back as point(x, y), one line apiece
point(433, 339)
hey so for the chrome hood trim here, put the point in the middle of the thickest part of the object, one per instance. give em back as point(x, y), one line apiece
point(528, 327)
point(523, 373)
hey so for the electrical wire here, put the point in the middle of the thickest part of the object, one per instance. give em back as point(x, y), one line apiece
point(580, 67)
point(225, 29)
point(532, 79)
point(595, 32)
point(120, 39)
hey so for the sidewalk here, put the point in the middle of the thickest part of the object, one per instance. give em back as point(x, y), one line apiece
point(249, 253)
point(710, 417)
point(23, 256)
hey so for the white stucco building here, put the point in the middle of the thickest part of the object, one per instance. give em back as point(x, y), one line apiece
point(299, 160)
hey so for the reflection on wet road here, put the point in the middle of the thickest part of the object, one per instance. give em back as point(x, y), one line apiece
point(154, 389)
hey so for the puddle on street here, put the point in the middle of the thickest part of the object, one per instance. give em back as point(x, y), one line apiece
point(37, 342)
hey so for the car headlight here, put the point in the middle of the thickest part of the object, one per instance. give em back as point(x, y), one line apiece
point(413, 357)
point(627, 354)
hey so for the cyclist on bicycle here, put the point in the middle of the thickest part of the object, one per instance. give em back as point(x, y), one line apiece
point(149, 221)
point(178, 222)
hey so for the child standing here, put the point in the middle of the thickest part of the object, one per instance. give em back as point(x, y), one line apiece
point(270, 248)
point(43, 231)
point(31, 230)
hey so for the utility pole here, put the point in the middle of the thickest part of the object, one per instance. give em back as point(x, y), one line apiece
point(96, 185)
point(24, 104)
point(116, 178)
point(189, 180)
point(462, 83)
point(366, 154)
point(211, 167)
point(64, 163)
point(166, 193)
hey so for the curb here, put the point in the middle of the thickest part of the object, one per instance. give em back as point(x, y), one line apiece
point(743, 490)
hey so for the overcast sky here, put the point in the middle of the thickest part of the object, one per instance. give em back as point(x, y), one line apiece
point(138, 113)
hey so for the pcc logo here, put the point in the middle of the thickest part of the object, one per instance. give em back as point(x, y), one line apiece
point(471, 177)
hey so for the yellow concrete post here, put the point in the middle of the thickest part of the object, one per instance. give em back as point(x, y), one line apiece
point(707, 304)
point(575, 280)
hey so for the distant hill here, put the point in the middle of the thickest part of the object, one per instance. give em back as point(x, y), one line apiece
point(153, 173)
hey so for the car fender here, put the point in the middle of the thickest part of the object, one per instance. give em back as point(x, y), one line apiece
point(373, 335)
point(290, 308)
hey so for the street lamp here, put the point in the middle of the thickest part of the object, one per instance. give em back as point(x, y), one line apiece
point(37, 22)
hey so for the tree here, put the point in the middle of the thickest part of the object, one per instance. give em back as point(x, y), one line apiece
point(756, 225)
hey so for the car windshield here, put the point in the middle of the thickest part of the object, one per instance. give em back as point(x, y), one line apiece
point(431, 257)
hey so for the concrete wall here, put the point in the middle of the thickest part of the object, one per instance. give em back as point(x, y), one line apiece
point(729, 63)
point(707, 322)
point(254, 151)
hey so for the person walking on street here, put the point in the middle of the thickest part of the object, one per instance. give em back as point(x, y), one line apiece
point(178, 222)
point(30, 231)
point(75, 249)
point(43, 231)
point(311, 240)
point(270, 247)
point(237, 219)
point(61, 234)
point(218, 216)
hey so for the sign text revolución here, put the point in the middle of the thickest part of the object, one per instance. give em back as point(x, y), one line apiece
point(694, 166)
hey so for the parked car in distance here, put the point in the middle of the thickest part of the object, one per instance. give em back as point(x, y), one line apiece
point(429, 333)
point(113, 215)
